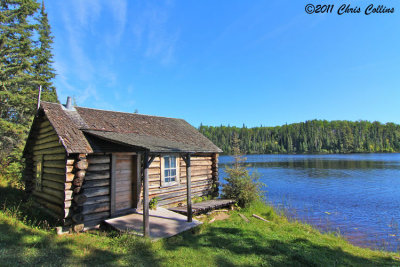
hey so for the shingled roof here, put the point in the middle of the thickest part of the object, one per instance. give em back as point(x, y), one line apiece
point(155, 134)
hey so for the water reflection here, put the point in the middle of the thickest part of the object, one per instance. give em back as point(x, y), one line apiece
point(356, 194)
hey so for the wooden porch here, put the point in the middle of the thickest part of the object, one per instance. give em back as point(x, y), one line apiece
point(163, 223)
point(204, 206)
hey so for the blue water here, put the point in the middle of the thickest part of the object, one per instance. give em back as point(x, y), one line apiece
point(357, 195)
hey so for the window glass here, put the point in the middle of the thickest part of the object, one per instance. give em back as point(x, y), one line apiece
point(39, 175)
point(173, 162)
point(166, 162)
point(170, 172)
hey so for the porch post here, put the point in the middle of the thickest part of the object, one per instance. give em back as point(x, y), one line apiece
point(188, 188)
point(146, 225)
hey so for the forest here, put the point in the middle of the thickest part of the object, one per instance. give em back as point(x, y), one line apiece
point(314, 136)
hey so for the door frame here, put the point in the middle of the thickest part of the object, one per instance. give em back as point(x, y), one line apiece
point(136, 180)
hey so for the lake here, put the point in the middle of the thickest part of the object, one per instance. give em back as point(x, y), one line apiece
point(357, 195)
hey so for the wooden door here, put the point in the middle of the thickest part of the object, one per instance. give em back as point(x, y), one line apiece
point(124, 182)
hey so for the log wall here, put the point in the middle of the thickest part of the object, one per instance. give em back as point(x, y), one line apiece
point(95, 190)
point(202, 171)
point(75, 188)
point(46, 147)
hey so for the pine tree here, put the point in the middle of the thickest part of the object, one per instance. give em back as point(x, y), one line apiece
point(43, 70)
point(25, 63)
point(16, 56)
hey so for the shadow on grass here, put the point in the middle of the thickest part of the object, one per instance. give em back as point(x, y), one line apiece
point(245, 247)
point(16, 203)
point(23, 244)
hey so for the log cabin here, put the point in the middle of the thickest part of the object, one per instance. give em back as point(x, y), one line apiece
point(86, 165)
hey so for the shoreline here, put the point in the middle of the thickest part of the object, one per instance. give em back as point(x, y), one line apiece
point(319, 153)
point(228, 242)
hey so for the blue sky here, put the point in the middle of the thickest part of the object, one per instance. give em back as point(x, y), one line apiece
point(228, 62)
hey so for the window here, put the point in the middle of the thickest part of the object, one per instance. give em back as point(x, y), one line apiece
point(169, 170)
point(39, 171)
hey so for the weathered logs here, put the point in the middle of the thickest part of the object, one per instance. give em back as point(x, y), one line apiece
point(69, 168)
point(95, 183)
point(46, 129)
point(44, 123)
point(95, 208)
point(77, 209)
point(67, 212)
point(48, 151)
point(96, 200)
point(68, 204)
point(48, 139)
point(80, 199)
point(54, 171)
point(78, 227)
point(48, 211)
point(82, 164)
point(54, 192)
point(97, 175)
point(44, 135)
point(54, 177)
point(78, 182)
point(68, 194)
point(55, 157)
point(99, 167)
point(54, 207)
point(46, 145)
point(97, 191)
point(77, 190)
point(47, 197)
point(99, 159)
point(55, 185)
point(69, 177)
point(78, 218)
point(54, 163)
point(80, 174)
point(97, 216)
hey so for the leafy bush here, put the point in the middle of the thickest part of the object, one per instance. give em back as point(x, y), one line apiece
point(153, 203)
point(11, 168)
point(12, 141)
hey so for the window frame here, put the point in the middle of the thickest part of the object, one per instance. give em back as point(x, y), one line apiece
point(177, 168)
point(39, 174)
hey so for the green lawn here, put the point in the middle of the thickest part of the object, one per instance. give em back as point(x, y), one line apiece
point(222, 243)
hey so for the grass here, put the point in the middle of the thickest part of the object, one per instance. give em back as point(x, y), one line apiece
point(25, 242)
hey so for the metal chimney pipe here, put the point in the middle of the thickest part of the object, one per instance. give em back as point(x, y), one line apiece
point(40, 94)
point(69, 103)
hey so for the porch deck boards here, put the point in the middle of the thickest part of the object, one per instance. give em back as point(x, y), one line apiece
point(163, 223)
point(204, 206)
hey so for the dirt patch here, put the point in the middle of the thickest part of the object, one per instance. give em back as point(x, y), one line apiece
point(214, 216)
point(221, 216)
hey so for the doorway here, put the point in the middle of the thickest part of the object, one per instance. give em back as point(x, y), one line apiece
point(125, 183)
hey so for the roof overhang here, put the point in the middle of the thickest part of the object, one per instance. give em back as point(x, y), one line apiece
point(150, 143)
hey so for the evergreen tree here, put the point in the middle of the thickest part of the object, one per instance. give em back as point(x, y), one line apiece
point(43, 70)
point(242, 186)
point(309, 137)
point(25, 63)
point(17, 53)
